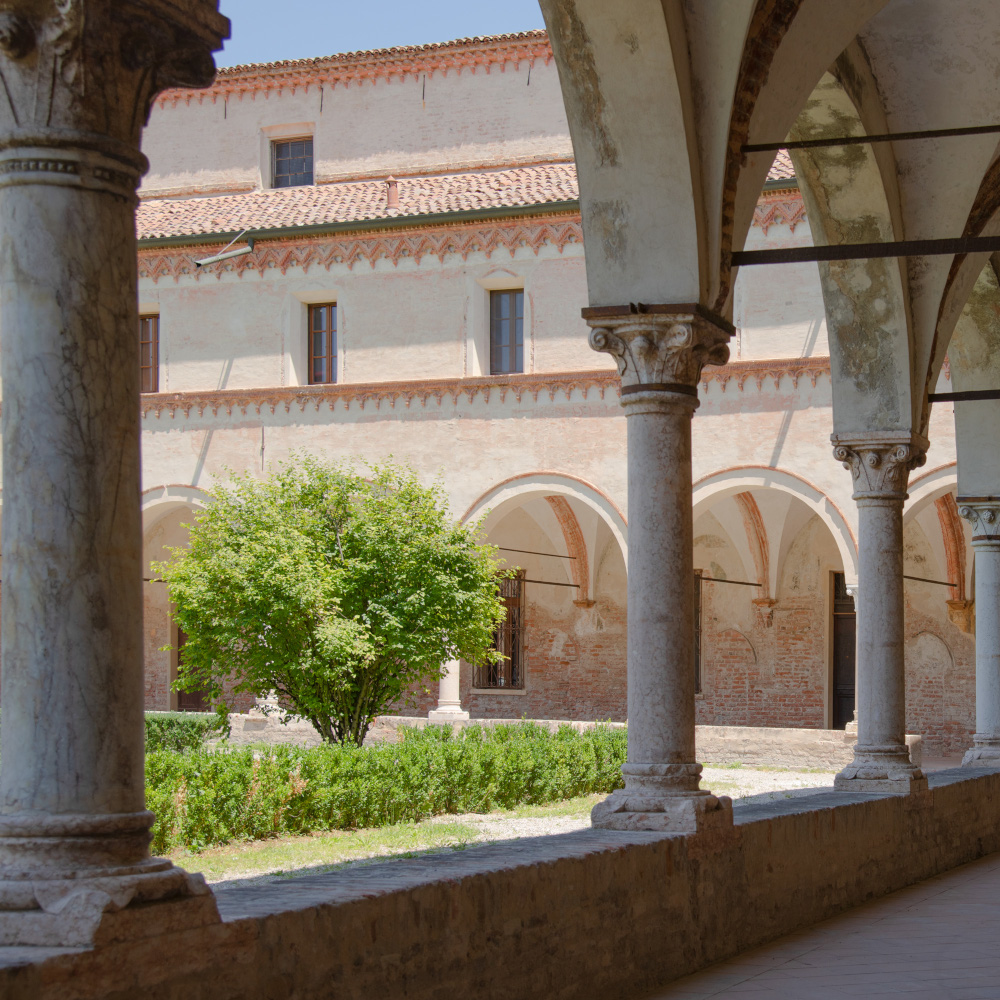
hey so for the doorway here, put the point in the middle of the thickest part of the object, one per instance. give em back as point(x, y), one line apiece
point(844, 652)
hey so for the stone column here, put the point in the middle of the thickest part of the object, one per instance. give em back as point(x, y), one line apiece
point(80, 77)
point(660, 351)
point(449, 706)
point(984, 513)
point(880, 465)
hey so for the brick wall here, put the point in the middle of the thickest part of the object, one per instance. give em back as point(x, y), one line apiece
point(574, 666)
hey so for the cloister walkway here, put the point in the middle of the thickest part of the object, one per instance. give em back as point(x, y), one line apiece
point(936, 940)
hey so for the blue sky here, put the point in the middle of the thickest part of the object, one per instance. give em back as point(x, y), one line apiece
point(267, 30)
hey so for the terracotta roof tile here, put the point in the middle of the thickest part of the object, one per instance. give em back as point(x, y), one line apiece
point(383, 55)
point(365, 201)
point(781, 169)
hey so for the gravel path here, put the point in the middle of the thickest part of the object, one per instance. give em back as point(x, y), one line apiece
point(740, 784)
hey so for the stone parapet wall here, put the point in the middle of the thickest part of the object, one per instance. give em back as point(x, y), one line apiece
point(582, 915)
point(823, 749)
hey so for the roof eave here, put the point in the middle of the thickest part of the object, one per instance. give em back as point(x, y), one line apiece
point(366, 225)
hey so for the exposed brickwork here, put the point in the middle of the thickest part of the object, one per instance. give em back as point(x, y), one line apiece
point(575, 667)
point(769, 675)
point(940, 682)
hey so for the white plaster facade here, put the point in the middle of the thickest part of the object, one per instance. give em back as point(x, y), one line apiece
point(772, 506)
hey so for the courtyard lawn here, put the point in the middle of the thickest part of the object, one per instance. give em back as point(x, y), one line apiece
point(283, 857)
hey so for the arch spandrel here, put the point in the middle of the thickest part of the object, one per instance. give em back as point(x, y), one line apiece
point(625, 106)
point(974, 356)
point(868, 320)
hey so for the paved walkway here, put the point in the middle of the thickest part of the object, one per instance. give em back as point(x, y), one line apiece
point(937, 940)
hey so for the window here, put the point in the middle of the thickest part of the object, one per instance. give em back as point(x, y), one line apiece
point(508, 674)
point(149, 353)
point(507, 332)
point(323, 344)
point(291, 163)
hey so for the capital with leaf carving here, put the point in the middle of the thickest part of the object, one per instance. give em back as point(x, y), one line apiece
point(983, 513)
point(659, 347)
point(880, 463)
point(80, 77)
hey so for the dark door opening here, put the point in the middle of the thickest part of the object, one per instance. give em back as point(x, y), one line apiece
point(844, 648)
point(189, 701)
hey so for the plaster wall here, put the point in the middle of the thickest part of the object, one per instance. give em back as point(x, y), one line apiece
point(452, 119)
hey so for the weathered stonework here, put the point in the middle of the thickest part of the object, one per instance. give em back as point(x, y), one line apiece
point(880, 465)
point(984, 515)
point(80, 76)
point(660, 353)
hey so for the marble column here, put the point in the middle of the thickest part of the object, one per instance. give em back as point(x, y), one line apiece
point(80, 77)
point(660, 352)
point(449, 706)
point(880, 464)
point(984, 513)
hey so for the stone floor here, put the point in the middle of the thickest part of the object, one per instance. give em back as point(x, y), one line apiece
point(936, 940)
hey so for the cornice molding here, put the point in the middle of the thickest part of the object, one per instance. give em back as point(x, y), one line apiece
point(363, 395)
point(741, 372)
point(368, 67)
point(395, 245)
point(428, 393)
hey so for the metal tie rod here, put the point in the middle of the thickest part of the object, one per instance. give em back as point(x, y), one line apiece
point(868, 251)
point(970, 396)
point(861, 140)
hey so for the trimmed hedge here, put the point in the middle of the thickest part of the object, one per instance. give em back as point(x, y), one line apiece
point(204, 797)
point(180, 730)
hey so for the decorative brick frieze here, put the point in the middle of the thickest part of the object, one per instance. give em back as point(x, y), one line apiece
point(395, 245)
point(430, 392)
point(779, 208)
point(357, 68)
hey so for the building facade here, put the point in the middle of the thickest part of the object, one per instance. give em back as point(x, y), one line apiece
point(415, 290)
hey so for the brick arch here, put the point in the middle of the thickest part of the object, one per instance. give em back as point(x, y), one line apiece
point(513, 492)
point(575, 546)
point(744, 478)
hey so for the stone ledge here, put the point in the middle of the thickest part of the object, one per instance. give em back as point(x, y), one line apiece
point(590, 914)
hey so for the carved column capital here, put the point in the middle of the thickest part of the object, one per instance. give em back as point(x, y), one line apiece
point(80, 77)
point(880, 465)
point(983, 513)
point(664, 349)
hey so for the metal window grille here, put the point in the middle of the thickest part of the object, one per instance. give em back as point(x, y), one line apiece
point(291, 163)
point(508, 639)
point(506, 332)
point(697, 631)
point(149, 353)
point(323, 344)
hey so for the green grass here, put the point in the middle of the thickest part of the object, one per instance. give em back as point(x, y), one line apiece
point(320, 852)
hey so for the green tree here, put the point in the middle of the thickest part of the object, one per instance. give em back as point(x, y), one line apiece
point(337, 590)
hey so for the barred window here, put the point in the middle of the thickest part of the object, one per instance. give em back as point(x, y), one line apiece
point(149, 353)
point(323, 343)
point(291, 163)
point(507, 332)
point(508, 639)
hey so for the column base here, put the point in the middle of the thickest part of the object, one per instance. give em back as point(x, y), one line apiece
point(78, 880)
point(94, 912)
point(444, 714)
point(884, 770)
point(985, 752)
point(663, 798)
